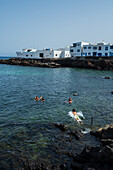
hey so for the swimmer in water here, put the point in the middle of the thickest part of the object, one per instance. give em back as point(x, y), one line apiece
point(77, 117)
point(70, 100)
point(36, 98)
point(43, 99)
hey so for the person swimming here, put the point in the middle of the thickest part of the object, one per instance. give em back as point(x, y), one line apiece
point(36, 98)
point(70, 100)
point(43, 99)
point(77, 117)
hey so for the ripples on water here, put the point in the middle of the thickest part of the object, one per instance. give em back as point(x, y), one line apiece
point(19, 86)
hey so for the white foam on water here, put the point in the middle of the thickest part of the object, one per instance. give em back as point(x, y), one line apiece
point(87, 130)
point(78, 113)
point(74, 116)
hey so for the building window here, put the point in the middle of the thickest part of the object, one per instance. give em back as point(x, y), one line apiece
point(89, 47)
point(94, 48)
point(99, 54)
point(94, 53)
point(106, 48)
point(84, 54)
point(111, 54)
point(71, 51)
point(78, 44)
point(89, 53)
point(74, 44)
point(99, 48)
point(106, 54)
point(78, 50)
point(55, 54)
point(41, 54)
point(111, 47)
point(26, 55)
point(85, 47)
point(31, 55)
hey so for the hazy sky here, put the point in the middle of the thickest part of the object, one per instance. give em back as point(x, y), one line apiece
point(53, 23)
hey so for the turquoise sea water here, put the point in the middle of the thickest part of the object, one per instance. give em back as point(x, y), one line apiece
point(18, 87)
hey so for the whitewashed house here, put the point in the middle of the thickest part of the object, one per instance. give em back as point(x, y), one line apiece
point(99, 49)
point(88, 49)
point(45, 53)
point(77, 49)
point(25, 53)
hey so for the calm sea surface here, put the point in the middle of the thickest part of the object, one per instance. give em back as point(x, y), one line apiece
point(19, 85)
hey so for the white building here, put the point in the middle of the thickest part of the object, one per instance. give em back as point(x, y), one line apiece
point(99, 49)
point(25, 53)
point(77, 49)
point(46, 53)
point(87, 49)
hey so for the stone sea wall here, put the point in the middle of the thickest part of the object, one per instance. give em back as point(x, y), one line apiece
point(79, 62)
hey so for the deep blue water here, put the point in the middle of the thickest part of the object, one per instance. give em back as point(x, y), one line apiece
point(18, 87)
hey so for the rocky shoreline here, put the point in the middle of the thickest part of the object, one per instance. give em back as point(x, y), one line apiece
point(69, 149)
point(98, 157)
point(79, 62)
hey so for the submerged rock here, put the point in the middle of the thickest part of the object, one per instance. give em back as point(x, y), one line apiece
point(62, 127)
point(76, 133)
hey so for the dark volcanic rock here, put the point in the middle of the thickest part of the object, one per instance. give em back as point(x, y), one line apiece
point(76, 133)
point(104, 133)
point(98, 158)
point(78, 62)
point(31, 62)
point(62, 127)
point(107, 142)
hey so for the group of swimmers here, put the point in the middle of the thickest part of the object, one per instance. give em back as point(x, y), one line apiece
point(69, 101)
point(41, 98)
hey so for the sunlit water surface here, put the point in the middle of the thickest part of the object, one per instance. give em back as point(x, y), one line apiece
point(19, 85)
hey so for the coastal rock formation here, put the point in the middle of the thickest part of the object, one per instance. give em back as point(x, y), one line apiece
point(79, 62)
point(104, 133)
point(98, 157)
point(63, 148)
point(62, 127)
point(30, 62)
point(95, 158)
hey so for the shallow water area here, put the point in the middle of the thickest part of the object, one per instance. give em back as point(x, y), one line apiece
point(26, 125)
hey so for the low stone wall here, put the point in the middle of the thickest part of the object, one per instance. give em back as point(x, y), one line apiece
point(86, 62)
